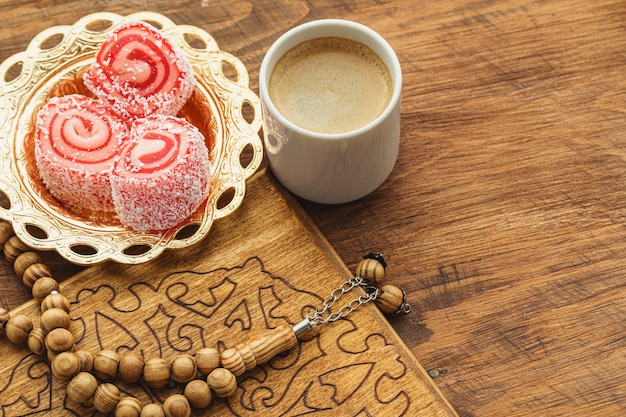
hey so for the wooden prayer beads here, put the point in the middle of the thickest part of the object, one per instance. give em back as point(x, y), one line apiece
point(156, 372)
point(183, 368)
point(128, 407)
point(13, 248)
point(391, 300)
point(55, 300)
point(82, 387)
point(33, 273)
point(152, 410)
point(198, 393)
point(65, 365)
point(106, 397)
point(59, 340)
point(372, 268)
point(131, 367)
point(105, 364)
point(54, 318)
point(43, 287)
point(37, 341)
point(86, 360)
point(23, 262)
point(222, 382)
point(17, 328)
point(207, 359)
point(176, 405)
point(82, 367)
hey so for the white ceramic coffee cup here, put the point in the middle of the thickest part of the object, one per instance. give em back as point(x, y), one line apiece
point(331, 168)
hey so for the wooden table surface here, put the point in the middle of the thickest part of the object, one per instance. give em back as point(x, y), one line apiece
point(504, 217)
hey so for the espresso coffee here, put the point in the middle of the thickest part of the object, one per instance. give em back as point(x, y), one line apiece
point(330, 85)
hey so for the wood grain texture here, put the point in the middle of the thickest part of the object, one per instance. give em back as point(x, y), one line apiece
point(504, 217)
point(219, 294)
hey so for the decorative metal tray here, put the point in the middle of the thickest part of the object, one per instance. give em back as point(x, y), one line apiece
point(222, 107)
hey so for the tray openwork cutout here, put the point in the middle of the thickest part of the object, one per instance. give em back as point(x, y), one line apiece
point(223, 107)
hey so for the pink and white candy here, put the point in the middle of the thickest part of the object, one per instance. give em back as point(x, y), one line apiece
point(138, 71)
point(162, 175)
point(77, 140)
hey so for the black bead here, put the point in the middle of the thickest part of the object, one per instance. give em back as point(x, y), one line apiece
point(377, 256)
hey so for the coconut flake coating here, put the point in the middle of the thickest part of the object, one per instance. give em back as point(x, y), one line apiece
point(162, 175)
point(76, 142)
point(138, 71)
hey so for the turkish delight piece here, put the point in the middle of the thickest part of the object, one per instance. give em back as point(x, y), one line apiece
point(76, 142)
point(162, 175)
point(138, 71)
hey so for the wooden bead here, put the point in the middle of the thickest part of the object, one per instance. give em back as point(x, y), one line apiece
point(24, 261)
point(152, 410)
point(106, 363)
point(156, 372)
point(198, 393)
point(59, 340)
point(106, 397)
point(82, 387)
point(131, 367)
point(13, 248)
point(34, 272)
point(176, 405)
point(371, 270)
point(6, 232)
point(232, 360)
point(390, 300)
point(54, 318)
point(43, 287)
point(183, 368)
point(86, 359)
point(128, 407)
point(55, 300)
point(37, 341)
point(207, 359)
point(222, 382)
point(17, 328)
point(4, 318)
point(247, 356)
point(65, 365)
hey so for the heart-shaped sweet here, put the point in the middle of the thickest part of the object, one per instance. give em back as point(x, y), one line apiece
point(138, 71)
point(76, 143)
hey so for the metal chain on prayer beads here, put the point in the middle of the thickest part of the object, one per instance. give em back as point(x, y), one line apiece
point(261, 349)
point(369, 273)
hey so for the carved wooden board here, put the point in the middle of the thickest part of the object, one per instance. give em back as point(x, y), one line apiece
point(265, 265)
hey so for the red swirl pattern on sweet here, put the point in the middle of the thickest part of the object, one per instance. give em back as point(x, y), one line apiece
point(79, 130)
point(152, 152)
point(77, 141)
point(139, 63)
point(139, 72)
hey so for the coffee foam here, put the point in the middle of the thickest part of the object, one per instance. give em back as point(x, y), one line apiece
point(330, 85)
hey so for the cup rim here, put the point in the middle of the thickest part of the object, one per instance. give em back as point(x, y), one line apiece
point(310, 30)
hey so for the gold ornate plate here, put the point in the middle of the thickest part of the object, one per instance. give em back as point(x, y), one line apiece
point(222, 107)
